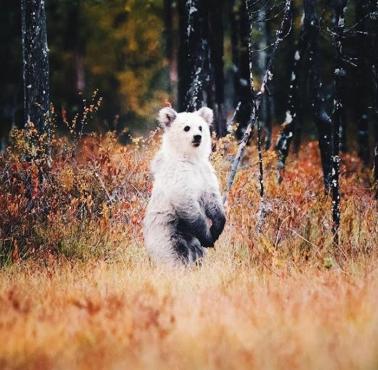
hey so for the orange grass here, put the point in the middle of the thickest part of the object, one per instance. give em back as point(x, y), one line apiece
point(88, 298)
point(225, 315)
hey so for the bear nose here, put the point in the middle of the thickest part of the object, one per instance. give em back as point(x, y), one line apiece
point(197, 138)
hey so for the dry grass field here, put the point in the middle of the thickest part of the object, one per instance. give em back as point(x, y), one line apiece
point(228, 314)
point(77, 290)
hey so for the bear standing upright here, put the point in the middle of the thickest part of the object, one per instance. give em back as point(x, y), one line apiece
point(185, 214)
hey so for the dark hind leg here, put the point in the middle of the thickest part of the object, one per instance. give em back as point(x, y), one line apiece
point(196, 251)
point(188, 249)
point(181, 248)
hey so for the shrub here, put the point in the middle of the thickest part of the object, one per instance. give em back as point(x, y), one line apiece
point(77, 198)
point(85, 197)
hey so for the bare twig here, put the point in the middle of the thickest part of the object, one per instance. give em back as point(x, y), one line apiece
point(231, 121)
point(257, 99)
point(101, 181)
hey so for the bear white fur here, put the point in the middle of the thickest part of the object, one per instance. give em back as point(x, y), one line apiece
point(185, 214)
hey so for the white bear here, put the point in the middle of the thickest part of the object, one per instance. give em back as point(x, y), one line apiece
point(185, 214)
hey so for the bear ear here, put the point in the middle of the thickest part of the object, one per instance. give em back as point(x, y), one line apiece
point(166, 117)
point(207, 114)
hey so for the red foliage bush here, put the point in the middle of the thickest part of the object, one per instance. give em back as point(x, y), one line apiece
point(86, 197)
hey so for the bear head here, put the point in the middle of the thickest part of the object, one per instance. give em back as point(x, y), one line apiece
point(186, 135)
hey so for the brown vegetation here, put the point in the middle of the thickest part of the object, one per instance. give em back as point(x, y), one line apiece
point(87, 297)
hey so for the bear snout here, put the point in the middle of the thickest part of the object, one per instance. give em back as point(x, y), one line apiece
point(197, 140)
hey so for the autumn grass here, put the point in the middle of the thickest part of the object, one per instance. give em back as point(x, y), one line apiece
point(227, 314)
point(86, 296)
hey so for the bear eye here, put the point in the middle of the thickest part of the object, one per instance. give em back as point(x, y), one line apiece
point(200, 128)
point(186, 128)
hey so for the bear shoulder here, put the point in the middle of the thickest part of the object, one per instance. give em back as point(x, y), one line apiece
point(157, 163)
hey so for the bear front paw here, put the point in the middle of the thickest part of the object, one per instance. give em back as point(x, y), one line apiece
point(209, 242)
point(209, 245)
point(217, 228)
point(214, 233)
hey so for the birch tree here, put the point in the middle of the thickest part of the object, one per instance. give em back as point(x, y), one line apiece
point(338, 109)
point(241, 65)
point(362, 81)
point(256, 103)
point(168, 38)
point(373, 61)
point(266, 104)
point(321, 117)
point(294, 113)
point(201, 58)
point(35, 62)
point(216, 38)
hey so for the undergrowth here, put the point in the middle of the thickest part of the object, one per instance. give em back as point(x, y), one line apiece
point(85, 196)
